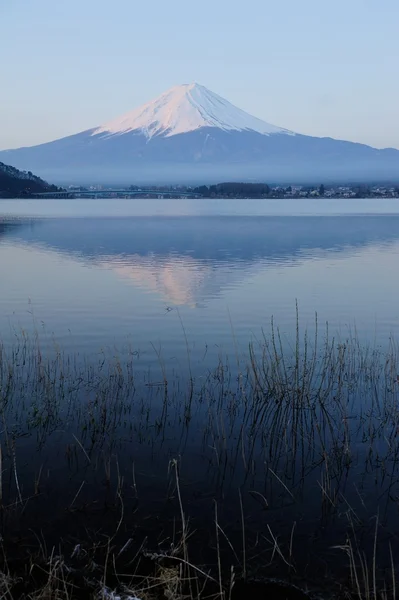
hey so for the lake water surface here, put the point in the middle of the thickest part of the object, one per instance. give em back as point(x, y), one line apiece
point(111, 273)
point(179, 289)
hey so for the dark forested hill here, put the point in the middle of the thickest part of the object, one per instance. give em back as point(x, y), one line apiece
point(14, 183)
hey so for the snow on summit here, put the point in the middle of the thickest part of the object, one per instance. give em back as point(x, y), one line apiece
point(186, 108)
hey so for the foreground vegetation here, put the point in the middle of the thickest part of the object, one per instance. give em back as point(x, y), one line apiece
point(280, 465)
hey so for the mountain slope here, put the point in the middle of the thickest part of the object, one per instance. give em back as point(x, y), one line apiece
point(15, 183)
point(190, 134)
point(183, 109)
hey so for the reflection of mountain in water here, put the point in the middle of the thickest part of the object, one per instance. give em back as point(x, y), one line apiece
point(180, 280)
point(188, 259)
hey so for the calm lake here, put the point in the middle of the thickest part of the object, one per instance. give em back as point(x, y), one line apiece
point(181, 294)
point(95, 273)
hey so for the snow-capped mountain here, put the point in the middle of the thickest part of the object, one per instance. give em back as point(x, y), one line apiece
point(190, 134)
point(186, 108)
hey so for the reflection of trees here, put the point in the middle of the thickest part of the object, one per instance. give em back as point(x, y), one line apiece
point(8, 227)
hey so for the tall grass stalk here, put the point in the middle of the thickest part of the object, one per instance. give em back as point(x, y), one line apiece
point(282, 423)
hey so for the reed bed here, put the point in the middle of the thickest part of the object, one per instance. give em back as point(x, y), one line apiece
point(291, 434)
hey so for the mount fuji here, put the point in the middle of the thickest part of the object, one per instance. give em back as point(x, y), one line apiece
point(190, 134)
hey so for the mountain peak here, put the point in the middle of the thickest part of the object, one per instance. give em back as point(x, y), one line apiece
point(186, 108)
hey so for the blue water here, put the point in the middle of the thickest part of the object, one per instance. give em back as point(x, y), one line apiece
point(203, 275)
point(182, 284)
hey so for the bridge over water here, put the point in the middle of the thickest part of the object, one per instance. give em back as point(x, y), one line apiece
point(114, 194)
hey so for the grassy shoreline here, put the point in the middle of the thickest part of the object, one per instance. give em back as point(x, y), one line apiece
point(270, 465)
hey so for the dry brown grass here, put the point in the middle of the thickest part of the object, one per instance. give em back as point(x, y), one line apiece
point(294, 411)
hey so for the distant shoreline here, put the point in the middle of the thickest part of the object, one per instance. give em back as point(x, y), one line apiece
point(227, 191)
point(110, 196)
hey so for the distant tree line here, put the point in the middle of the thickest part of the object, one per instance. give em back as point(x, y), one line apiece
point(234, 190)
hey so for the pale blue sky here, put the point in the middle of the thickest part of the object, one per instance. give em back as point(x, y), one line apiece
point(314, 66)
